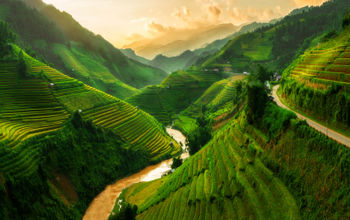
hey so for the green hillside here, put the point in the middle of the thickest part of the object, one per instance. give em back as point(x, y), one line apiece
point(76, 51)
point(217, 103)
point(53, 127)
point(277, 45)
point(320, 77)
point(176, 92)
point(195, 57)
point(244, 173)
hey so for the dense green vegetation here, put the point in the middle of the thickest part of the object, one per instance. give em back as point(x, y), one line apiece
point(6, 36)
point(75, 164)
point(216, 103)
point(175, 93)
point(200, 136)
point(77, 52)
point(277, 45)
point(321, 78)
point(248, 168)
point(65, 141)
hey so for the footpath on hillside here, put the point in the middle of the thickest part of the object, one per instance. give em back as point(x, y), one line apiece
point(324, 130)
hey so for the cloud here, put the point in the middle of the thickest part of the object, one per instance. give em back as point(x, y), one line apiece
point(156, 28)
point(250, 14)
point(215, 11)
point(138, 20)
point(301, 3)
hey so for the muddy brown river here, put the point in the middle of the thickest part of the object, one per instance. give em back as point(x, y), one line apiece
point(101, 207)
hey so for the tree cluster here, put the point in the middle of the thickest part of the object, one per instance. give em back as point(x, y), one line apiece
point(6, 37)
point(127, 212)
point(200, 136)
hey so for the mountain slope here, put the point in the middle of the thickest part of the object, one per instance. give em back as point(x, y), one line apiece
point(263, 170)
point(277, 45)
point(176, 92)
point(217, 102)
point(32, 107)
point(75, 50)
point(178, 41)
point(190, 57)
point(320, 77)
point(65, 141)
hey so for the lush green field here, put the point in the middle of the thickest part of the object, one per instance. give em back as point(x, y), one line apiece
point(216, 103)
point(321, 77)
point(31, 107)
point(225, 180)
point(261, 171)
point(175, 93)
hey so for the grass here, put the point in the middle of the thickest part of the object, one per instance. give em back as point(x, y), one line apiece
point(314, 76)
point(175, 93)
point(221, 176)
point(217, 101)
point(91, 68)
point(338, 128)
point(32, 108)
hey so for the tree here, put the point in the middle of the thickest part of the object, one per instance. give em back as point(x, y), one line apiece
point(177, 161)
point(6, 37)
point(127, 212)
point(22, 66)
point(257, 100)
point(263, 74)
point(200, 136)
point(346, 20)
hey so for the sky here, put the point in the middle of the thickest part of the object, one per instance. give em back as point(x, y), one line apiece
point(125, 21)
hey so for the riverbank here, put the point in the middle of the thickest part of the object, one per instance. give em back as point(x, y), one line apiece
point(101, 207)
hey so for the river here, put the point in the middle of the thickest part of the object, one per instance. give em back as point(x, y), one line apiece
point(101, 207)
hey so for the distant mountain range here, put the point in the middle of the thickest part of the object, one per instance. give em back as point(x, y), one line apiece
point(191, 57)
point(180, 41)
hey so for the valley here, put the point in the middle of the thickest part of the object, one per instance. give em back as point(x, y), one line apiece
point(250, 119)
point(102, 206)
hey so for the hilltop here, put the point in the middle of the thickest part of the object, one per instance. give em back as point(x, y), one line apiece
point(74, 50)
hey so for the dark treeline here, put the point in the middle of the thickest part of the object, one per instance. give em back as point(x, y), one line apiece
point(87, 157)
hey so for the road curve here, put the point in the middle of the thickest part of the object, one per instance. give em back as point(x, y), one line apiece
point(324, 130)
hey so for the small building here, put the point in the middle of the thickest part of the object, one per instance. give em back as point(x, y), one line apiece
point(246, 73)
point(278, 78)
point(80, 111)
point(216, 70)
point(51, 85)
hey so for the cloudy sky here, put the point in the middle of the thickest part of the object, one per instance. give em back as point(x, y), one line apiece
point(124, 21)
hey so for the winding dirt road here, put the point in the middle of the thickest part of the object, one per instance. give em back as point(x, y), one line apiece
point(101, 207)
point(328, 132)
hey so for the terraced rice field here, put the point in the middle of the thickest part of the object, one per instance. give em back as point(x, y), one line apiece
point(131, 124)
point(28, 108)
point(325, 66)
point(225, 180)
point(41, 102)
point(176, 93)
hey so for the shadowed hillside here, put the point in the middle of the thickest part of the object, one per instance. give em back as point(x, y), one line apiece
point(76, 51)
